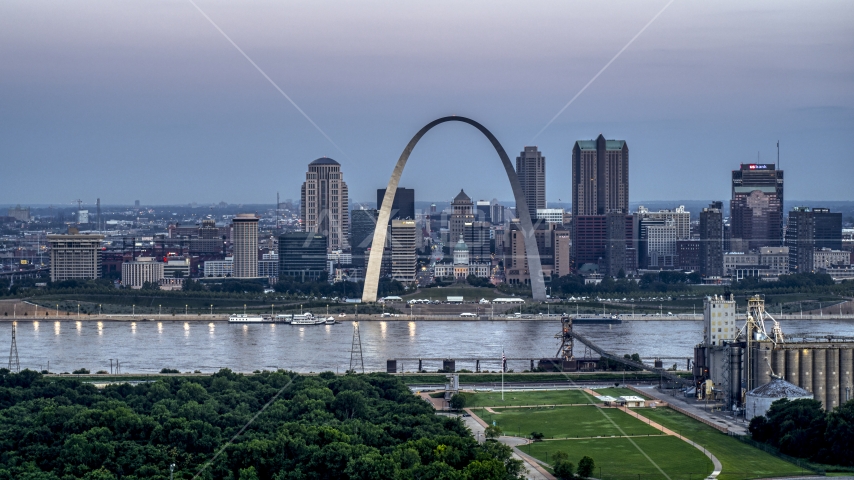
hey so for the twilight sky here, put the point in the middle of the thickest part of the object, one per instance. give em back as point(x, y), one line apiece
point(147, 100)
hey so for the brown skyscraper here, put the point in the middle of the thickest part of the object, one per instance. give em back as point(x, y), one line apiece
point(531, 169)
point(600, 177)
point(756, 207)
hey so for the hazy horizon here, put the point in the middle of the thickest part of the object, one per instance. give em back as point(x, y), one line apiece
point(149, 101)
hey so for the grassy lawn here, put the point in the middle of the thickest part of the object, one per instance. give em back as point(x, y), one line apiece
point(618, 392)
point(619, 459)
point(543, 397)
point(469, 294)
point(740, 461)
point(560, 422)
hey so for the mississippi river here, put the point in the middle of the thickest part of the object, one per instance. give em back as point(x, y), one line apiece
point(148, 346)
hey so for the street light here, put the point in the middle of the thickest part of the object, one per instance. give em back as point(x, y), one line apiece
point(99, 309)
point(132, 310)
point(212, 309)
point(185, 309)
point(159, 310)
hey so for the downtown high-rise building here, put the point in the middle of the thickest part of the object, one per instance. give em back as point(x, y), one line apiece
point(462, 212)
point(402, 206)
point(404, 258)
point(324, 203)
point(483, 211)
point(600, 177)
point(712, 240)
point(363, 222)
point(828, 229)
point(800, 238)
point(75, 257)
point(756, 209)
point(600, 204)
point(531, 170)
point(302, 256)
point(244, 238)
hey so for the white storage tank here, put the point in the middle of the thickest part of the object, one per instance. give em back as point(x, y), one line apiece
point(759, 400)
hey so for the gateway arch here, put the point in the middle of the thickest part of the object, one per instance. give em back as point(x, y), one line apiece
point(372, 276)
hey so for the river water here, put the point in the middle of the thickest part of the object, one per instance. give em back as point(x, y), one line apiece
point(146, 347)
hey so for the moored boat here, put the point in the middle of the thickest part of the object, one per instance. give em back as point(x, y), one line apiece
point(243, 318)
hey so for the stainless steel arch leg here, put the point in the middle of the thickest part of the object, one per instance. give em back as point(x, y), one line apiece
point(535, 269)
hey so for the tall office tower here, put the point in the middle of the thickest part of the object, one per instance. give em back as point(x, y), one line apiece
point(496, 216)
point(615, 244)
point(403, 205)
point(483, 211)
point(403, 256)
point(245, 241)
point(600, 177)
point(756, 209)
point(463, 212)
point(712, 240)
point(476, 238)
point(828, 229)
point(324, 203)
point(302, 256)
point(362, 225)
point(531, 169)
point(800, 238)
point(75, 257)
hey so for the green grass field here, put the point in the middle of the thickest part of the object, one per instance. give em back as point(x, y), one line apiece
point(740, 461)
point(618, 458)
point(560, 422)
point(543, 397)
point(469, 294)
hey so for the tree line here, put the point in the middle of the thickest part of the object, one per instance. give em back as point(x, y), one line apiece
point(315, 427)
point(803, 429)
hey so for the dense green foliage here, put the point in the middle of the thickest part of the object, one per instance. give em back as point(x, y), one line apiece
point(328, 426)
point(586, 466)
point(606, 364)
point(801, 428)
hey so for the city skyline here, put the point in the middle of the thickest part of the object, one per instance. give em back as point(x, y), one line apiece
point(160, 93)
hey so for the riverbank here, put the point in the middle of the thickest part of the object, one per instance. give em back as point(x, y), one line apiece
point(394, 318)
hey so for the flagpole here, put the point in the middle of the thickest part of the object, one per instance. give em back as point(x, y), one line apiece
point(503, 363)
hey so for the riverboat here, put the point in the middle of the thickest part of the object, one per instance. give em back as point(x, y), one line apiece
point(242, 318)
